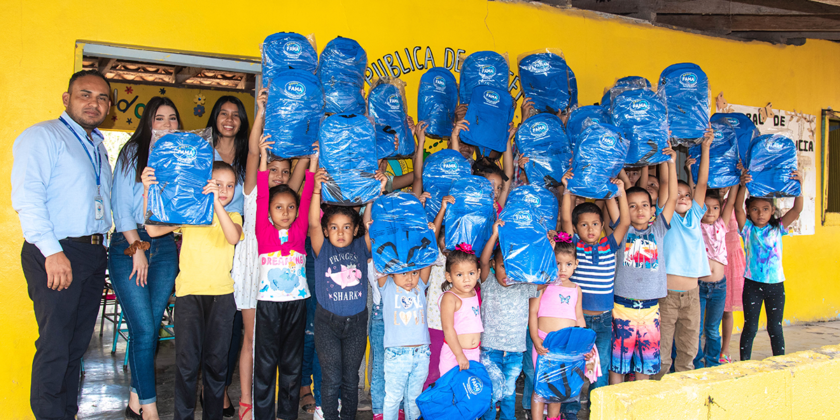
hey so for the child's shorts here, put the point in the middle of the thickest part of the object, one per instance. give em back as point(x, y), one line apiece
point(448, 360)
point(635, 345)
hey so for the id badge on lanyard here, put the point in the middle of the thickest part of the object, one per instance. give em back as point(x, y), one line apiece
point(96, 162)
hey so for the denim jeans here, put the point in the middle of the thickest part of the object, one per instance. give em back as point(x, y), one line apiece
point(405, 372)
point(376, 332)
point(143, 306)
point(528, 370)
point(341, 342)
point(712, 301)
point(510, 363)
point(602, 325)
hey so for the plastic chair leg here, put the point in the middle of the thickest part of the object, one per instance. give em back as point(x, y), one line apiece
point(116, 334)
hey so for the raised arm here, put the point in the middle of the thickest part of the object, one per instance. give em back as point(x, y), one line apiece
point(624, 214)
point(316, 234)
point(730, 204)
point(254, 143)
point(703, 173)
point(366, 219)
point(672, 185)
point(443, 203)
point(231, 229)
point(566, 208)
point(664, 176)
point(455, 139)
point(417, 161)
point(487, 253)
point(643, 178)
point(798, 202)
point(740, 212)
point(299, 173)
point(507, 163)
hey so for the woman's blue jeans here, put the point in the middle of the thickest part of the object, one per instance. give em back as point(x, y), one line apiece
point(143, 306)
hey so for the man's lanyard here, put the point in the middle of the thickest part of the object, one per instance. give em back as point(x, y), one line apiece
point(96, 165)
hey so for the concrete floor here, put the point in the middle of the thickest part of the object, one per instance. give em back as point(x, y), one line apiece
point(105, 384)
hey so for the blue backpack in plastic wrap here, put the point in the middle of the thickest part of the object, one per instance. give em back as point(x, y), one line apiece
point(470, 219)
point(457, 395)
point(559, 375)
point(600, 156)
point(284, 51)
point(546, 80)
point(686, 90)
point(574, 126)
point(744, 128)
point(183, 163)
point(642, 115)
point(489, 117)
point(342, 74)
point(386, 105)
point(440, 170)
point(770, 160)
point(543, 200)
point(347, 145)
point(293, 113)
point(400, 237)
point(528, 254)
point(543, 140)
point(606, 101)
point(437, 98)
point(483, 68)
point(723, 157)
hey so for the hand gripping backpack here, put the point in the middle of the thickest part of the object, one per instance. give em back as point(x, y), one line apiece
point(293, 113)
point(574, 126)
point(489, 117)
point(543, 140)
point(483, 68)
point(183, 163)
point(285, 51)
point(687, 94)
point(470, 219)
point(599, 158)
point(544, 202)
point(546, 80)
point(643, 117)
point(771, 159)
point(559, 375)
point(341, 70)
point(528, 254)
point(457, 395)
point(386, 105)
point(400, 237)
point(437, 98)
point(638, 81)
point(347, 151)
point(723, 157)
point(744, 128)
point(440, 170)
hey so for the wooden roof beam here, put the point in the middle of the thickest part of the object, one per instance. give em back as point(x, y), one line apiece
point(719, 24)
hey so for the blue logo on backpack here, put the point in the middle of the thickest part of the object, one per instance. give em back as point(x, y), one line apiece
point(293, 49)
point(489, 118)
point(183, 164)
point(440, 170)
point(483, 68)
point(723, 156)
point(284, 51)
point(385, 106)
point(437, 98)
point(686, 90)
point(295, 89)
point(528, 254)
point(688, 80)
point(491, 97)
point(293, 113)
point(543, 140)
point(548, 81)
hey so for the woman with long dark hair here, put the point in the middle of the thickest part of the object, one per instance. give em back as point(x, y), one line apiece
point(142, 269)
point(229, 122)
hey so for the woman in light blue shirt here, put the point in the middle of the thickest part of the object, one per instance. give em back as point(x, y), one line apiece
point(143, 279)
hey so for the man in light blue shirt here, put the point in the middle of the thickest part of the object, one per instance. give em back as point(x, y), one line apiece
point(61, 187)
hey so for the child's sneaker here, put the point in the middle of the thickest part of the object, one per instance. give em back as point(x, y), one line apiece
point(401, 415)
point(319, 414)
point(725, 358)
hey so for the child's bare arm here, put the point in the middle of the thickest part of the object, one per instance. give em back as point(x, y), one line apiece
point(740, 212)
point(439, 219)
point(254, 143)
point(730, 204)
point(534, 324)
point(623, 218)
point(507, 162)
point(424, 274)
point(703, 173)
point(420, 134)
point(382, 281)
point(671, 179)
point(643, 179)
point(664, 176)
point(298, 174)
point(316, 235)
point(154, 230)
point(487, 253)
point(455, 139)
point(798, 202)
point(366, 219)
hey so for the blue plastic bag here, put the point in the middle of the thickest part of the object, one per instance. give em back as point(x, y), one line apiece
point(687, 94)
point(284, 51)
point(293, 113)
point(574, 126)
point(183, 163)
point(437, 98)
point(342, 74)
point(606, 101)
point(347, 145)
point(483, 68)
point(546, 80)
point(599, 158)
point(744, 128)
point(543, 140)
point(643, 116)
point(559, 375)
point(544, 202)
point(528, 254)
point(400, 237)
point(489, 117)
point(770, 160)
point(440, 170)
point(470, 219)
point(458, 394)
point(723, 157)
point(386, 105)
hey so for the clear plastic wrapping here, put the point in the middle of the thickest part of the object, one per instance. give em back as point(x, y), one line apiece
point(593, 113)
point(599, 158)
point(440, 170)
point(285, 51)
point(437, 98)
point(528, 254)
point(483, 68)
point(542, 139)
point(347, 145)
point(544, 201)
point(293, 113)
point(341, 70)
point(458, 394)
point(489, 116)
point(559, 374)
point(723, 156)
point(386, 105)
point(400, 237)
point(470, 219)
point(770, 160)
point(624, 81)
point(744, 128)
point(686, 90)
point(183, 163)
point(546, 79)
point(643, 116)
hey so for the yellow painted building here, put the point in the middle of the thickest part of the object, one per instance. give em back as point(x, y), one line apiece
point(39, 54)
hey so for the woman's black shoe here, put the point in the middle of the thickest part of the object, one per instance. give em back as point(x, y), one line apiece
point(229, 411)
point(131, 415)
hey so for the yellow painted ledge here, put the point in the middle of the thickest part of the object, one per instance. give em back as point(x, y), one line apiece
point(796, 386)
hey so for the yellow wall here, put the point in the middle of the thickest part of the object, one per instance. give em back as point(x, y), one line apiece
point(37, 58)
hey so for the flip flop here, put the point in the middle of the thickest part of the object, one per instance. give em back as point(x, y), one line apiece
point(247, 408)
